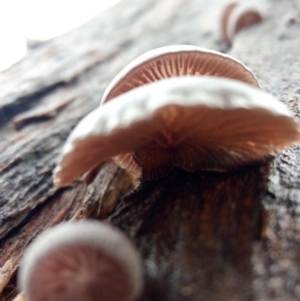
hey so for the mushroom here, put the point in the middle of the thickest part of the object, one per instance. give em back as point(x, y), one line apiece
point(192, 122)
point(173, 61)
point(78, 261)
point(239, 16)
point(224, 20)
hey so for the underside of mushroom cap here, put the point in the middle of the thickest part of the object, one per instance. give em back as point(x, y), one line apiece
point(79, 261)
point(191, 122)
point(177, 60)
point(224, 20)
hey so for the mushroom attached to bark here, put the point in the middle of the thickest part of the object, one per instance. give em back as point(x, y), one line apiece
point(239, 16)
point(173, 61)
point(189, 122)
point(81, 261)
point(224, 20)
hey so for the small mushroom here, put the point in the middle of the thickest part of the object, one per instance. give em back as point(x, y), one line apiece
point(224, 20)
point(81, 261)
point(174, 61)
point(191, 122)
point(239, 16)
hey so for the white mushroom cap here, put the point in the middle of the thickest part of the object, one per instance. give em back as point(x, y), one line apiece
point(190, 122)
point(177, 60)
point(81, 261)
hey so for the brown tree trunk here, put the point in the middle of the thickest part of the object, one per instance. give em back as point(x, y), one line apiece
point(203, 236)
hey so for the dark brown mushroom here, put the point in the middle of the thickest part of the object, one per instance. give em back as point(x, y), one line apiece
point(193, 122)
point(78, 261)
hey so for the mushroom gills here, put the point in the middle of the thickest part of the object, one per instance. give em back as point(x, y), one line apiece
point(190, 122)
point(79, 261)
point(177, 61)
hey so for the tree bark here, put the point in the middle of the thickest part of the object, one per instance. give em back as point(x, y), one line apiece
point(202, 236)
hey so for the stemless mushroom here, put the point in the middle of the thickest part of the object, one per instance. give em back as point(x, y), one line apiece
point(190, 122)
point(224, 20)
point(81, 261)
point(239, 16)
point(177, 60)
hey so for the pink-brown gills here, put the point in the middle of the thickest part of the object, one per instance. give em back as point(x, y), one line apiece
point(192, 122)
point(174, 61)
point(79, 261)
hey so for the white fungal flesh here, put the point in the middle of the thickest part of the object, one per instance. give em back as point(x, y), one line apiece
point(190, 122)
point(73, 262)
point(173, 61)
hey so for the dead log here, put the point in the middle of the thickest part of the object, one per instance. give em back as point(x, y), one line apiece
point(203, 236)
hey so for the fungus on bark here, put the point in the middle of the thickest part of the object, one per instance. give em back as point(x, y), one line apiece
point(192, 122)
point(237, 17)
point(81, 261)
point(224, 20)
point(174, 61)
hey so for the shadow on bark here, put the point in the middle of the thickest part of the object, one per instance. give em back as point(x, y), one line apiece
point(202, 227)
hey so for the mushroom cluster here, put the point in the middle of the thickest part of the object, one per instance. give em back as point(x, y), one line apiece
point(81, 261)
point(181, 106)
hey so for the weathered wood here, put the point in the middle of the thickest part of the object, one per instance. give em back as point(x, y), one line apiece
point(203, 236)
point(201, 228)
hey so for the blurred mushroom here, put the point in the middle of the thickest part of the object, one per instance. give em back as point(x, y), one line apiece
point(81, 261)
point(224, 20)
point(192, 122)
point(173, 61)
point(239, 16)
